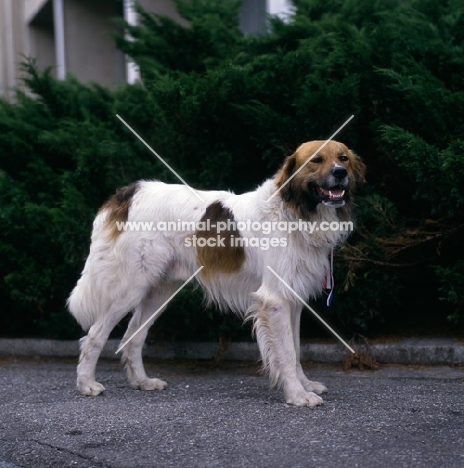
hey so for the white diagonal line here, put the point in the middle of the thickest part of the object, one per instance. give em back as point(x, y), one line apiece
point(309, 159)
point(156, 313)
point(313, 311)
point(159, 157)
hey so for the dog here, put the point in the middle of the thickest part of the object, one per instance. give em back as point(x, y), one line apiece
point(139, 269)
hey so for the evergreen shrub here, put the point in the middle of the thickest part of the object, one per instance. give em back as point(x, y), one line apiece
point(224, 109)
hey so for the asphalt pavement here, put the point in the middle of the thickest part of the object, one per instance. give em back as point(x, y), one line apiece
point(225, 415)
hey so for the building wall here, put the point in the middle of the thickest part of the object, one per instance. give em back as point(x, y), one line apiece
point(84, 46)
point(31, 8)
point(253, 16)
point(12, 44)
point(28, 28)
point(39, 30)
point(89, 43)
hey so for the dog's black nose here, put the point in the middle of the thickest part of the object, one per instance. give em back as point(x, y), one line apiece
point(339, 172)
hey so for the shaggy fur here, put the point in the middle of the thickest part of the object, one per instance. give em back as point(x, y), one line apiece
point(138, 270)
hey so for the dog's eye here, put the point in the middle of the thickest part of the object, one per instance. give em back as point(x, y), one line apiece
point(343, 158)
point(317, 159)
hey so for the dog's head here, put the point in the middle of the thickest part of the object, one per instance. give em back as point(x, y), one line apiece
point(320, 172)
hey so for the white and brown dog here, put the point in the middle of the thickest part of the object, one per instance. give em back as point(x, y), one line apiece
point(139, 269)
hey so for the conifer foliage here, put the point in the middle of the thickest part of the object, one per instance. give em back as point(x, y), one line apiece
point(224, 108)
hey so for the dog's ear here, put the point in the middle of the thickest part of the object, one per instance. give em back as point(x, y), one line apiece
point(359, 172)
point(286, 171)
point(283, 174)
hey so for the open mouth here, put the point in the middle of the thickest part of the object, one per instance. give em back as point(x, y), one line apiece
point(332, 196)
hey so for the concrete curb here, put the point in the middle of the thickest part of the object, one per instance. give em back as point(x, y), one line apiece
point(418, 351)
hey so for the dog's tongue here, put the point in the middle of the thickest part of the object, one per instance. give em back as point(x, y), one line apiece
point(332, 193)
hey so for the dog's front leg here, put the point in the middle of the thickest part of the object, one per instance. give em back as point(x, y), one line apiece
point(309, 385)
point(273, 328)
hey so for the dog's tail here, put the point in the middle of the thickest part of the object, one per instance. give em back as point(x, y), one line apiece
point(80, 306)
point(88, 300)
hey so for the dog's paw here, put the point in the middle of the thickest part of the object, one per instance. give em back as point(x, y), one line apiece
point(90, 387)
point(304, 399)
point(150, 384)
point(316, 387)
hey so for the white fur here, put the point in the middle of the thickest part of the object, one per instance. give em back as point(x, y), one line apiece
point(139, 270)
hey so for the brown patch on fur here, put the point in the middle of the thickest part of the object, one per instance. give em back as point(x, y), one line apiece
point(118, 208)
point(219, 259)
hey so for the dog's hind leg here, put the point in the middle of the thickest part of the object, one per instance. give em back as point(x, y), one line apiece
point(92, 344)
point(91, 348)
point(132, 352)
point(309, 386)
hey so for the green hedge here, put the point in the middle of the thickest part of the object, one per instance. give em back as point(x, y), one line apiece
point(224, 108)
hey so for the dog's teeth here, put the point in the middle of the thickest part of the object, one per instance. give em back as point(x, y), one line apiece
point(330, 194)
point(343, 193)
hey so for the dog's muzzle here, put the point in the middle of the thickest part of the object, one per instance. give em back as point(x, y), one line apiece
point(334, 190)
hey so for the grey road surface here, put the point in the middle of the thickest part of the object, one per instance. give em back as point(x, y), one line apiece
point(226, 416)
